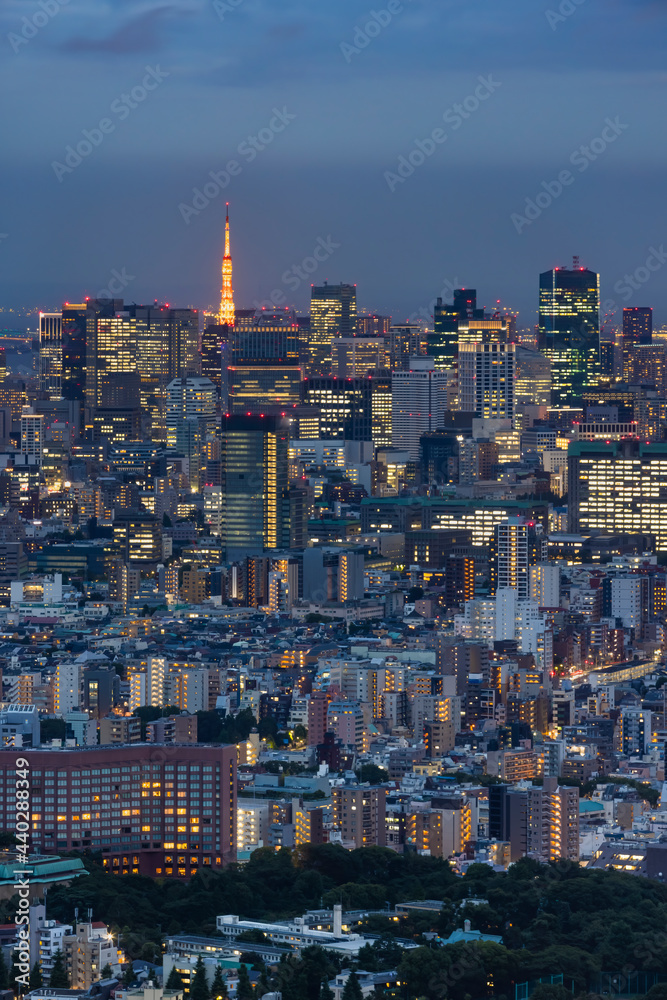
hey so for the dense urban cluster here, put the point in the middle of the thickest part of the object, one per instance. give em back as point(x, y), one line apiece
point(333, 648)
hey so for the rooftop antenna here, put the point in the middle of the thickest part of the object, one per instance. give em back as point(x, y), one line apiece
point(575, 263)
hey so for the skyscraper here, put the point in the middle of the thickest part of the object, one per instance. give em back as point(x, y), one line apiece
point(333, 313)
point(569, 329)
point(486, 379)
point(442, 343)
point(227, 295)
point(74, 334)
point(419, 401)
point(51, 354)
point(254, 491)
point(263, 368)
point(637, 329)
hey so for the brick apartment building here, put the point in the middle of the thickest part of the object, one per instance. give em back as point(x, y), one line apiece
point(150, 809)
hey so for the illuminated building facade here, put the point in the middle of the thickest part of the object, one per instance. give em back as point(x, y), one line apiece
point(618, 487)
point(442, 342)
point(147, 812)
point(419, 401)
point(486, 379)
point(333, 314)
point(345, 406)
point(517, 544)
point(637, 329)
point(357, 356)
point(254, 484)
point(51, 354)
point(569, 330)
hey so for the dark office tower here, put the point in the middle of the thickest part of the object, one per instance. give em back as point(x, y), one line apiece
point(569, 330)
point(345, 406)
point(442, 343)
point(607, 361)
point(254, 483)
point(212, 339)
point(638, 324)
point(73, 371)
point(333, 313)
point(637, 329)
point(264, 367)
point(264, 338)
point(373, 326)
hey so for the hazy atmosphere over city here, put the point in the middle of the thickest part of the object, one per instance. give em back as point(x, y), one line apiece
point(356, 102)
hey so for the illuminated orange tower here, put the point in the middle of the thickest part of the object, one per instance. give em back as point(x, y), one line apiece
point(227, 295)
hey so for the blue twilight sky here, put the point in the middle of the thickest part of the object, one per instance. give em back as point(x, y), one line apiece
point(358, 87)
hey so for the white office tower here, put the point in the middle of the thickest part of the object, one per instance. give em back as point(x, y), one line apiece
point(419, 401)
point(486, 379)
point(544, 584)
point(32, 434)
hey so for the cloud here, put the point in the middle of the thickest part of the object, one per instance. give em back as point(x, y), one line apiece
point(141, 34)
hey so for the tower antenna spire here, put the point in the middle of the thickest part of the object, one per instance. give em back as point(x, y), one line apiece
point(226, 314)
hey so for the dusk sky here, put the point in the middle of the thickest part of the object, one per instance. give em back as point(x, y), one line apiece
point(551, 76)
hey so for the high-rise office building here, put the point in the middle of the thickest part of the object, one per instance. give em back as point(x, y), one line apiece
point(333, 313)
point(403, 341)
point(517, 544)
point(373, 325)
point(419, 401)
point(51, 354)
point(214, 340)
point(638, 324)
point(486, 379)
point(32, 434)
point(442, 342)
point(344, 404)
point(189, 397)
point(226, 314)
point(262, 369)
point(74, 335)
point(569, 330)
point(646, 365)
point(254, 484)
point(166, 348)
point(618, 487)
point(353, 357)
